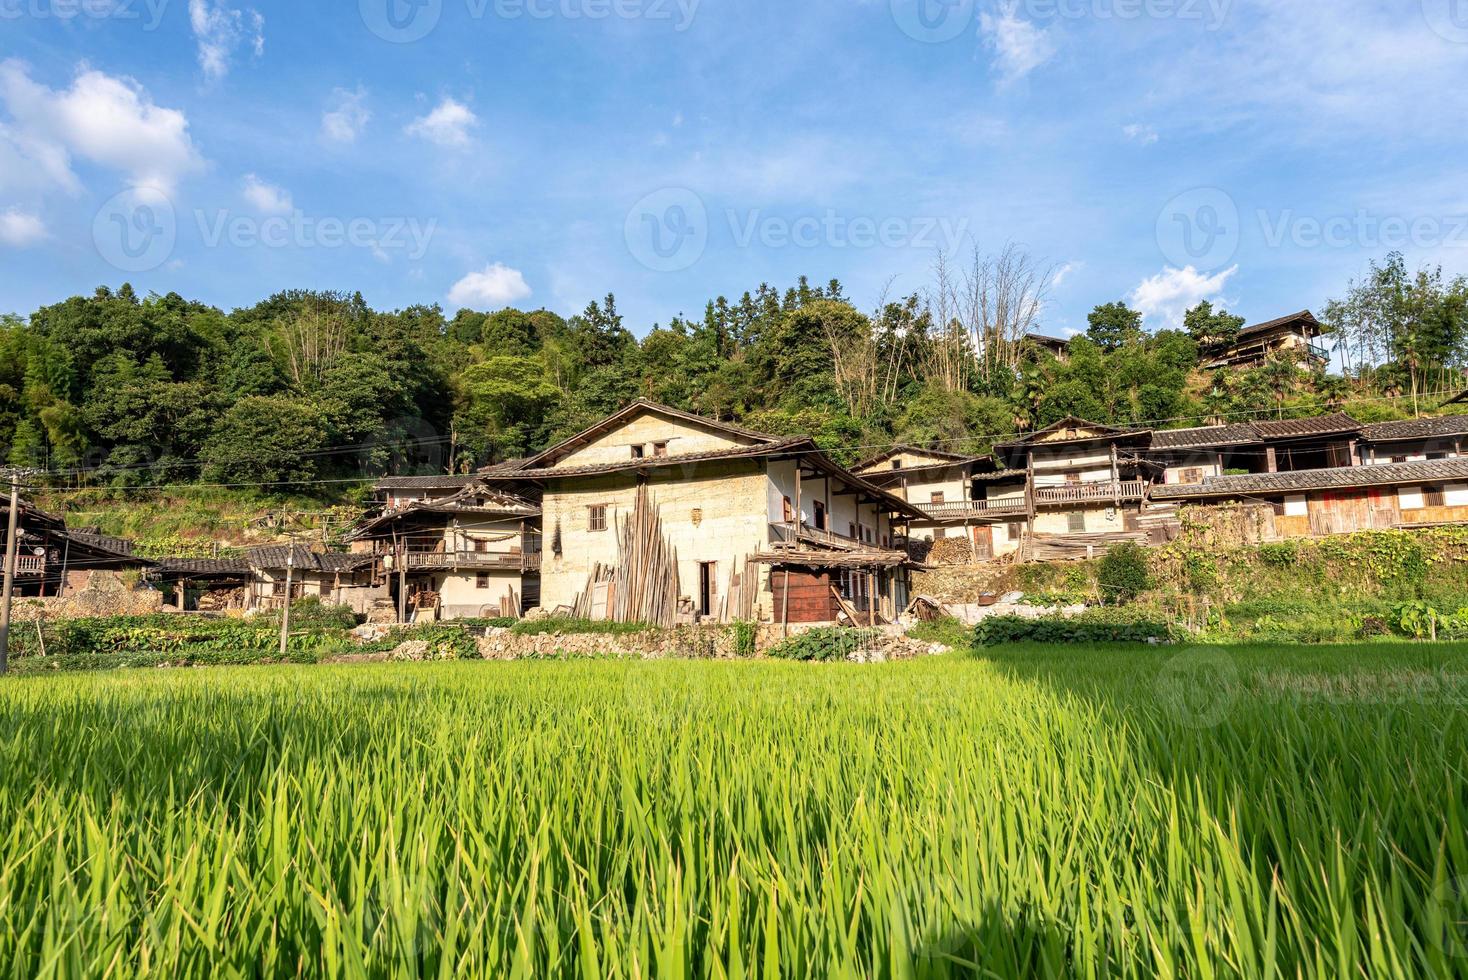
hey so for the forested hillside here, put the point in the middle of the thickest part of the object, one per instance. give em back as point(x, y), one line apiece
point(311, 392)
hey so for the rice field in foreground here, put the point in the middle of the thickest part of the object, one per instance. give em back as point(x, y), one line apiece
point(1269, 812)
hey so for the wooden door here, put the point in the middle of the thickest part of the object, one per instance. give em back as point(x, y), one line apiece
point(983, 543)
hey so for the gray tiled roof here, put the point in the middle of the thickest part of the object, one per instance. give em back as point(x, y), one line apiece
point(1448, 425)
point(439, 482)
point(1343, 477)
point(205, 566)
point(1318, 425)
point(1240, 433)
point(275, 557)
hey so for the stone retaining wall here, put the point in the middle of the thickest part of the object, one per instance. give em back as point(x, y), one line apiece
point(688, 642)
point(105, 595)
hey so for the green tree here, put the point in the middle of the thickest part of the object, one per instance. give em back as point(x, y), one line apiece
point(1113, 326)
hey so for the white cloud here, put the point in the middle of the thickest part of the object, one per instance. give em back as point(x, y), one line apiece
point(19, 229)
point(1062, 273)
point(346, 115)
point(1138, 133)
point(1019, 46)
point(497, 285)
point(219, 30)
point(108, 120)
point(1164, 298)
point(447, 125)
point(267, 198)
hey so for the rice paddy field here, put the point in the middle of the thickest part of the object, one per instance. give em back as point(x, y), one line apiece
point(1022, 812)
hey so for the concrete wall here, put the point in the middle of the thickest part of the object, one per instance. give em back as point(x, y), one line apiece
point(711, 512)
point(470, 595)
point(1103, 518)
point(646, 430)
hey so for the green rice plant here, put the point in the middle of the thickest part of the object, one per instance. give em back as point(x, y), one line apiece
point(1024, 811)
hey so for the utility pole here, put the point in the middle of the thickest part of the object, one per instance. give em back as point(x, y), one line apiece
point(12, 555)
point(285, 614)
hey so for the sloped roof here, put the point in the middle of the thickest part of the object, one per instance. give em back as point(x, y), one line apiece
point(478, 498)
point(1319, 425)
point(275, 557)
point(901, 448)
point(1304, 316)
point(1447, 425)
point(1237, 434)
point(1073, 422)
point(547, 457)
point(443, 481)
point(1341, 477)
point(204, 567)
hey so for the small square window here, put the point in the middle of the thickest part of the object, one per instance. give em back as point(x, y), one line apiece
point(660, 449)
point(481, 581)
point(637, 452)
point(897, 464)
point(937, 496)
point(596, 519)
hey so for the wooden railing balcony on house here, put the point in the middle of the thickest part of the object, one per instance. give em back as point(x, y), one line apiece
point(973, 509)
point(30, 565)
point(784, 532)
point(1088, 493)
point(472, 560)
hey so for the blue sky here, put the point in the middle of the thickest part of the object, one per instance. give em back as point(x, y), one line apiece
point(545, 152)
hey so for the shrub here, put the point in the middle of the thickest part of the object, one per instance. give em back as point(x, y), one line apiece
point(822, 644)
point(538, 627)
point(999, 630)
point(1282, 554)
point(1122, 574)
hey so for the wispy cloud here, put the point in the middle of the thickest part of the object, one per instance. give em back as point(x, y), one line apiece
point(448, 125)
point(19, 229)
point(494, 286)
point(1140, 133)
point(1019, 45)
point(219, 30)
point(266, 198)
point(108, 120)
point(346, 115)
point(1164, 298)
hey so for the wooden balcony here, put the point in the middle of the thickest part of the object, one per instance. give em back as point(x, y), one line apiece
point(425, 561)
point(784, 532)
point(974, 510)
point(1089, 493)
point(30, 565)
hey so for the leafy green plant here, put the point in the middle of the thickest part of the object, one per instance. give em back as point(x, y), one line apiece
point(1123, 574)
point(822, 644)
point(999, 630)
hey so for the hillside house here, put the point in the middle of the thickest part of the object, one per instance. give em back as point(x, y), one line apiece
point(395, 492)
point(1294, 336)
point(336, 578)
point(740, 524)
point(52, 561)
point(958, 495)
point(472, 554)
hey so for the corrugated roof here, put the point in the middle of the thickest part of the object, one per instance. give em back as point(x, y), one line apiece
point(1447, 425)
point(1342, 477)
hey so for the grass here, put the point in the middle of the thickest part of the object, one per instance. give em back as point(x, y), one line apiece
point(1265, 812)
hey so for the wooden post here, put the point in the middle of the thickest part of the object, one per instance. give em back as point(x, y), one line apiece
point(12, 549)
point(1271, 461)
point(285, 613)
point(1115, 477)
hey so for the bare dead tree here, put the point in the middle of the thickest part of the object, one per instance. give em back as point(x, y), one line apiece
point(950, 356)
point(307, 343)
point(1003, 297)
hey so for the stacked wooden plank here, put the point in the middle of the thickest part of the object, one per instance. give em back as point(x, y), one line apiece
point(643, 586)
point(1070, 547)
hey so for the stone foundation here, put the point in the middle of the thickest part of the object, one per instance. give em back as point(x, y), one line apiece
point(105, 595)
point(690, 642)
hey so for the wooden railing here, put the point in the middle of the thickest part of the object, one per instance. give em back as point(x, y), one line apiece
point(975, 509)
point(1081, 493)
point(30, 565)
point(784, 532)
point(473, 560)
